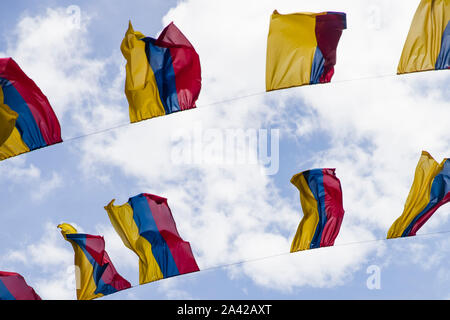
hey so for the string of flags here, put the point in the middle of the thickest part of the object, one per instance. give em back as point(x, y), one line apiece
point(163, 76)
point(146, 226)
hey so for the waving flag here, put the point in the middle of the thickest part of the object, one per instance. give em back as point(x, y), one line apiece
point(14, 287)
point(27, 121)
point(146, 226)
point(429, 191)
point(427, 46)
point(95, 274)
point(162, 75)
point(301, 48)
point(321, 200)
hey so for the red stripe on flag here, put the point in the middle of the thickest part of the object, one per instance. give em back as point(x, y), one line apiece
point(37, 102)
point(333, 207)
point(180, 249)
point(186, 65)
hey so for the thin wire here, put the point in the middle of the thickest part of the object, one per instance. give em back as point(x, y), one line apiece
point(259, 93)
point(97, 132)
point(336, 245)
point(297, 252)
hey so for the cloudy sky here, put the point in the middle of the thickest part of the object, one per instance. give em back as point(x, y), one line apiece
point(231, 204)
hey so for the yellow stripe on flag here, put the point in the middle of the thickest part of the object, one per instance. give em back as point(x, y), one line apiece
point(13, 146)
point(419, 195)
point(122, 220)
point(8, 119)
point(84, 272)
point(308, 224)
point(291, 45)
point(141, 89)
point(423, 43)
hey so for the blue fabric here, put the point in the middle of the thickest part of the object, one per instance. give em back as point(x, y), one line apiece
point(4, 292)
point(314, 178)
point(25, 123)
point(160, 61)
point(317, 67)
point(148, 229)
point(439, 189)
point(343, 16)
point(102, 287)
point(443, 60)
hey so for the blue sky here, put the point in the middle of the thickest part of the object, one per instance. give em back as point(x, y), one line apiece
point(371, 130)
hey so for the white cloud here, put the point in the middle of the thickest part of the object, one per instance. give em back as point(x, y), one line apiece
point(47, 186)
point(48, 251)
point(50, 260)
point(16, 171)
point(53, 52)
point(60, 285)
point(170, 288)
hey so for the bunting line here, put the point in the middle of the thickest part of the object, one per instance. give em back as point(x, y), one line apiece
point(259, 93)
point(121, 125)
point(289, 253)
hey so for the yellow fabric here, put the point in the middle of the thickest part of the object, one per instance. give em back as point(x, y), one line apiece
point(308, 224)
point(291, 45)
point(122, 220)
point(84, 271)
point(13, 146)
point(419, 195)
point(8, 119)
point(140, 84)
point(66, 229)
point(423, 43)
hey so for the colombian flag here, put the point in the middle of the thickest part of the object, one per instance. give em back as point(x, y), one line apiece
point(146, 226)
point(301, 48)
point(427, 46)
point(95, 274)
point(162, 75)
point(27, 121)
point(429, 191)
point(14, 287)
point(321, 200)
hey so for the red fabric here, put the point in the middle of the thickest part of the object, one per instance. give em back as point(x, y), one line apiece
point(38, 103)
point(186, 65)
point(95, 245)
point(17, 286)
point(172, 36)
point(328, 32)
point(424, 218)
point(333, 207)
point(180, 249)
